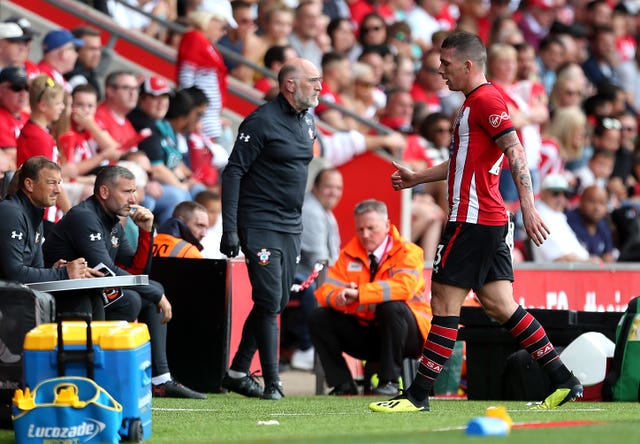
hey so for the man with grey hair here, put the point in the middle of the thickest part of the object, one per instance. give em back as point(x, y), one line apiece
point(263, 189)
point(372, 305)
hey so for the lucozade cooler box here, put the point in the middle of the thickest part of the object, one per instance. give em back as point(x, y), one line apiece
point(122, 365)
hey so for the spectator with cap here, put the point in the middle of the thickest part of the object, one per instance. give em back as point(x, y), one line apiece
point(167, 165)
point(561, 245)
point(25, 45)
point(59, 55)
point(11, 38)
point(89, 56)
point(14, 98)
point(536, 20)
point(201, 64)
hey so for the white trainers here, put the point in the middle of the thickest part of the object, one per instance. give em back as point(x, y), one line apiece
point(303, 360)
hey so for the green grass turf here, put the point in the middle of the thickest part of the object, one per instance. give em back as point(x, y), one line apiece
point(324, 419)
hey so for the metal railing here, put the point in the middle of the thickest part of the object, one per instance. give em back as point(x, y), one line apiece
point(96, 18)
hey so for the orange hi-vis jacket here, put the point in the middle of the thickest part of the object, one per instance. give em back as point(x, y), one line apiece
point(166, 245)
point(399, 278)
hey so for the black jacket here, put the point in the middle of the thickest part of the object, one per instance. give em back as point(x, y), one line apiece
point(88, 231)
point(263, 184)
point(21, 239)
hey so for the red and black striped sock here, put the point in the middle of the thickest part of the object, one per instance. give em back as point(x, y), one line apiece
point(437, 350)
point(532, 337)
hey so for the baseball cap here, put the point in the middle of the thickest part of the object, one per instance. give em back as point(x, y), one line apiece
point(542, 4)
point(15, 75)
point(57, 38)
point(555, 182)
point(155, 86)
point(11, 31)
point(27, 29)
point(221, 8)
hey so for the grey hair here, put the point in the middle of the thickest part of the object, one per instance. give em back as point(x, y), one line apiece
point(110, 175)
point(369, 205)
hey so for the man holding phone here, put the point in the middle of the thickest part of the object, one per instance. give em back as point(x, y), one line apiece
point(93, 227)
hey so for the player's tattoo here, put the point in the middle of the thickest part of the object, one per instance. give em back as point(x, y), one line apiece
point(514, 151)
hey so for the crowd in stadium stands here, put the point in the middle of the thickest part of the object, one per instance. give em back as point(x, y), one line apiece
point(567, 70)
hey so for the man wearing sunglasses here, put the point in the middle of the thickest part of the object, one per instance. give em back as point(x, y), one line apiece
point(14, 99)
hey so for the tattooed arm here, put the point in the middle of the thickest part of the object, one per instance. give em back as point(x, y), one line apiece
point(533, 223)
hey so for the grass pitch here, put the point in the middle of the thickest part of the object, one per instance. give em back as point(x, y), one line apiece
point(226, 418)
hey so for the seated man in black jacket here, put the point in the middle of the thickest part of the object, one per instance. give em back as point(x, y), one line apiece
point(93, 227)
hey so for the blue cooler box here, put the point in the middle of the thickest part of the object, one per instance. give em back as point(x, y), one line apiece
point(122, 365)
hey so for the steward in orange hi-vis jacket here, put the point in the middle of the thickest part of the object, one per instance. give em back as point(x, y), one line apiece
point(353, 313)
point(399, 277)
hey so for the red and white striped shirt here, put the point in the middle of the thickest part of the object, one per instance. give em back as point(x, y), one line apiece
point(476, 160)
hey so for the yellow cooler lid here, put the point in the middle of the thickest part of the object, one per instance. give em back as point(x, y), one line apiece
point(108, 335)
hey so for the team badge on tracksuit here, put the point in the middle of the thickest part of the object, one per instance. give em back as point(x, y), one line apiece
point(263, 256)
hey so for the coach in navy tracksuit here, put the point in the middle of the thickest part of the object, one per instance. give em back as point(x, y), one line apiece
point(263, 189)
point(93, 228)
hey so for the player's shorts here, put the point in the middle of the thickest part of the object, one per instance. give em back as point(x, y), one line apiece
point(471, 255)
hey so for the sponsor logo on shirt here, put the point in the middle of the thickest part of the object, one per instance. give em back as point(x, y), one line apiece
point(496, 119)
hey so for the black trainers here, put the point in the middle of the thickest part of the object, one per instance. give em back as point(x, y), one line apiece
point(173, 389)
point(386, 389)
point(246, 385)
point(404, 402)
point(273, 391)
point(565, 392)
point(347, 389)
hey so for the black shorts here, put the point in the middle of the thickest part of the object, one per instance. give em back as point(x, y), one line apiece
point(470, 255)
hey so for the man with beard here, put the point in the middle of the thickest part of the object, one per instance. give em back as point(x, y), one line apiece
point(263, 189)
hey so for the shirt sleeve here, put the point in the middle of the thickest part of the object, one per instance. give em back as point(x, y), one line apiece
point(16, 247)
point(247, 148)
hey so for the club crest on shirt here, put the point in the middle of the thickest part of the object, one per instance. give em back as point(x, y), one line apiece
point(496, 119)
point(354, 266)
point(263, 256)
point(115, 241)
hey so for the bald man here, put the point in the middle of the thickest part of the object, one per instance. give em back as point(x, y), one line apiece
point(263, 189)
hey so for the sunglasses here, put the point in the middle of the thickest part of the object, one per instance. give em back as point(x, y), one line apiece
point(365, 84)
point(611, 123)
point(371, 29)
point(19, 88)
